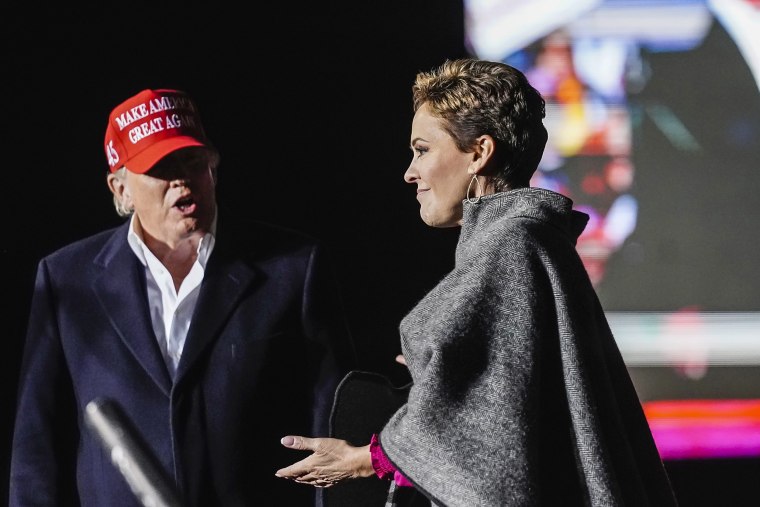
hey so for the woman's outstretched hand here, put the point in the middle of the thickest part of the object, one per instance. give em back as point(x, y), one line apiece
point(332, 461)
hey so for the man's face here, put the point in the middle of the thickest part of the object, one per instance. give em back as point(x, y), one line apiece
point(175, 198)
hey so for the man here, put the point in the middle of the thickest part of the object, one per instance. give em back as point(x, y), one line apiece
point(212, 336)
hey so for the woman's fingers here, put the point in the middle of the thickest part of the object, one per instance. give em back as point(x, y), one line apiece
point(302, 471)
point(300, 443)
point(318, 482)
point(294, 471)
point(332, 461)
point(320, 445)
point(305, 472)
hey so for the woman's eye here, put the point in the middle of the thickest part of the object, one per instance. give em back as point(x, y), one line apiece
point(420, 151)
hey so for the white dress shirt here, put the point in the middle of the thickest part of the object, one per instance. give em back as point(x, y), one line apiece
point(171, 310)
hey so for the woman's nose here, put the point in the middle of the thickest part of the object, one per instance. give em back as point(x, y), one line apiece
point(410, 175)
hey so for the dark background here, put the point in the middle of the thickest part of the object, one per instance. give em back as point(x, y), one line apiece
point(310, 106)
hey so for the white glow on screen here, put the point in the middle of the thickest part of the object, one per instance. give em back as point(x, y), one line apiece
point(672, 338)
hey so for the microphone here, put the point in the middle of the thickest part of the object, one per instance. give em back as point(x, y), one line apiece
point(132, 459)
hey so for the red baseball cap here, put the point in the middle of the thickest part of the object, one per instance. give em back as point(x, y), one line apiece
point(148, 126)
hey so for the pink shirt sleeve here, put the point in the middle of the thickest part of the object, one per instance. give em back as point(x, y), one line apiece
point(382, 465)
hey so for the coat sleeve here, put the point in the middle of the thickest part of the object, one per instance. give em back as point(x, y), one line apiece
point(45, 431)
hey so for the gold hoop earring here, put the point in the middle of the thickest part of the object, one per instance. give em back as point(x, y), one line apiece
point(479, 192)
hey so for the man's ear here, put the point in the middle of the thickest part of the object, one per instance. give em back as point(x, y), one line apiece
point(120, 190)
point(482, 155)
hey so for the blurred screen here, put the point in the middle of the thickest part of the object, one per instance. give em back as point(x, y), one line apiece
point(653, 113)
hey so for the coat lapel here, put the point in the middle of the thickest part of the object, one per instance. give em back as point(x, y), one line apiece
point(225, 281)
point(122, 294)
point(121, 291)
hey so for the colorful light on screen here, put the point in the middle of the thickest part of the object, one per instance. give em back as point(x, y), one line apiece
point(591, 59)
point(703, 429)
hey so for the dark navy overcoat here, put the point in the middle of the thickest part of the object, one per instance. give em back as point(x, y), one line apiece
point(267, 345)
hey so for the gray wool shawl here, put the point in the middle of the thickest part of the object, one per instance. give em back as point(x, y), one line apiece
point(520, 395)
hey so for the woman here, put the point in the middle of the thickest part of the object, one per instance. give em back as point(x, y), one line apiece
point(520, 395)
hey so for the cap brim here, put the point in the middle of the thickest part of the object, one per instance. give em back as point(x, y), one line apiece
point(146, 159)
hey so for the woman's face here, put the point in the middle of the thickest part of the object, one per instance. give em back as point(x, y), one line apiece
point(439, 169)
